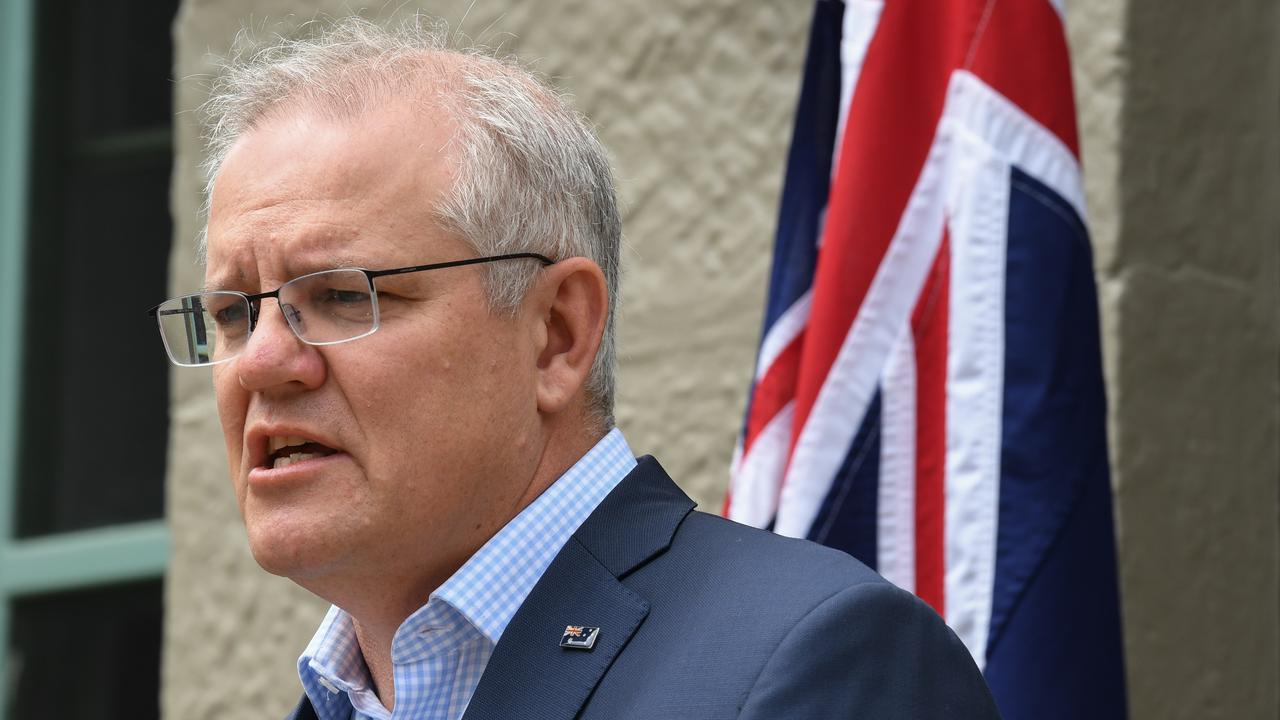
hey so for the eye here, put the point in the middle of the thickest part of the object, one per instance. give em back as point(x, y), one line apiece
point(224, 308)
point(328, 296)
point(348, 298)
point(233, 314)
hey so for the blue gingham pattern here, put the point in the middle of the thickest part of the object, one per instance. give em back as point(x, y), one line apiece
point(441, 650)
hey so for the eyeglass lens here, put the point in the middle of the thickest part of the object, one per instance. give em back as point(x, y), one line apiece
point(322, 308)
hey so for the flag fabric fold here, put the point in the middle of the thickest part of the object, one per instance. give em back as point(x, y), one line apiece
point(928, 392)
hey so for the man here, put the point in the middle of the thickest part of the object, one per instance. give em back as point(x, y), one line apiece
point(412, 255)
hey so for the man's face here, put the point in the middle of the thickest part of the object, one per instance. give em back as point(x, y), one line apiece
point(430, 419)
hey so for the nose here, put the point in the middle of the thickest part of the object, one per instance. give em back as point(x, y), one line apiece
point(274, 357)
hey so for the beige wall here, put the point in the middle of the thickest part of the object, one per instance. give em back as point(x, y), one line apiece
point(694, 98)
point(1181, 111)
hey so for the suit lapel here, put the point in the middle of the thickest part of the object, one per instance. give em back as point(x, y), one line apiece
point(529, 674)
point(304, 710)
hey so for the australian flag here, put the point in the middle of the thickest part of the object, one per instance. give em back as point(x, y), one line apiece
point(928, 393)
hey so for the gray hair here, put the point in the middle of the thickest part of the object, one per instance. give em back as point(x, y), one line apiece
point(532, 176)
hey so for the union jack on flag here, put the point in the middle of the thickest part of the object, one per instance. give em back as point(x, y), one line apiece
point(928, 394)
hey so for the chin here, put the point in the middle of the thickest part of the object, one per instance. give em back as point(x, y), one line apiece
point(297, 553)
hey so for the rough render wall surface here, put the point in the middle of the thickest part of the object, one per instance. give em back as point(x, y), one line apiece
point(1193, 286)
point(694, 98)
point(1180, 119)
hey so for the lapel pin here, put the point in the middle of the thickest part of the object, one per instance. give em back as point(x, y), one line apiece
point(579, 637)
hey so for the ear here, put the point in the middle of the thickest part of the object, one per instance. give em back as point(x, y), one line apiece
point(571, 304)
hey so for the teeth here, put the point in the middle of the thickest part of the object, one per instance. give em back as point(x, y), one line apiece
point(288, 460)
point(276, 442)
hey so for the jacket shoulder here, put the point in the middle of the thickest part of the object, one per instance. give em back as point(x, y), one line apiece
point(770, 558)
point(746, 623)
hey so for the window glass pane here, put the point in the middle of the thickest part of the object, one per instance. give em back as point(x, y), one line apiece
point(89, 655)
point(95, 392)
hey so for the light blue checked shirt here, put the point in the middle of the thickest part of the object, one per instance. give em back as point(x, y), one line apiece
point(441, 650)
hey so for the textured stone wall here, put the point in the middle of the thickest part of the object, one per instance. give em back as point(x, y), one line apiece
point(1179, 115)
point(1189, 271)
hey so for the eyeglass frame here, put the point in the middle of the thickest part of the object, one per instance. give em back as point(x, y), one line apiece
point(254, 301)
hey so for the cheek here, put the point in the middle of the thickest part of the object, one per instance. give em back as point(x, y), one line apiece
point(434, 400)
point(232, 403)
point(456, 361)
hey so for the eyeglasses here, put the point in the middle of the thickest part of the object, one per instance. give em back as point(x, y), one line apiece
point(322, 308)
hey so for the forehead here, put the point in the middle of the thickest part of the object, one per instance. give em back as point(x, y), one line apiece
point(305, 188)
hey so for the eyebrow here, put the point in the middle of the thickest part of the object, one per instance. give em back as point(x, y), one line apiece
point(220, 285)
point(329, 263)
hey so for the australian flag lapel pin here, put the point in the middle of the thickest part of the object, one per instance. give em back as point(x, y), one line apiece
point(579, 637)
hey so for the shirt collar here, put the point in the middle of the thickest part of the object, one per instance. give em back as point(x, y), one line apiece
point(493, 583)
point(488, 589)
point(332, 664)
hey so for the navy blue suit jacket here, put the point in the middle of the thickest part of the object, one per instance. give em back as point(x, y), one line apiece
point(703, 618)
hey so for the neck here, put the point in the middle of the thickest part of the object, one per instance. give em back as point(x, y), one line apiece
point(382, 602)
point(375, 644)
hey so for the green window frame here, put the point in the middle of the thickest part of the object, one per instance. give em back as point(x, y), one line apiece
point(71, 560)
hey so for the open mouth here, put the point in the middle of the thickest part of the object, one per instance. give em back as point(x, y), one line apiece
point(285, 451)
